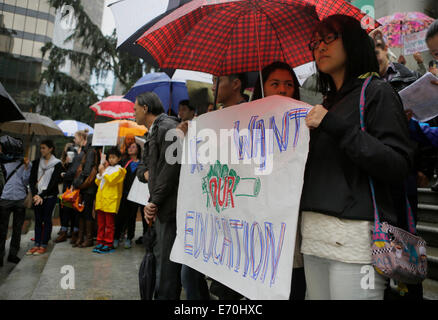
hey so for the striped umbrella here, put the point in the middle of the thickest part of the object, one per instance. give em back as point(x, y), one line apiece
point(70, 127)
point(115, 107)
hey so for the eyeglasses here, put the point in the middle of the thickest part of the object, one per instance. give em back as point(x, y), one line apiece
point(327, 39)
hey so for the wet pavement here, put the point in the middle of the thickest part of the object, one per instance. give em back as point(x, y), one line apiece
point(66, 273)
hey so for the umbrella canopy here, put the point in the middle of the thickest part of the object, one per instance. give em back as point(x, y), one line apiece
point(70, 127)
point(395, 26)
point(170, 92)
point(127, 127)
point(146, 274)
point(35, 124)
point(9, 109)
point(230, 36)
point(115, 107)
point(134, 17)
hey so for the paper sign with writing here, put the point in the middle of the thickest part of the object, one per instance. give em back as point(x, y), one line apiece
point(415, 42)
point(105, 134)
point(139, 192)
point(237, 215)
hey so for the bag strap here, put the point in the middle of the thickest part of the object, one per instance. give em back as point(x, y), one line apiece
point(13, 172)
point(128, 163)
point(378, 235)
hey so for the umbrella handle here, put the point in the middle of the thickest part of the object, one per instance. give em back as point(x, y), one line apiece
point(215, 93)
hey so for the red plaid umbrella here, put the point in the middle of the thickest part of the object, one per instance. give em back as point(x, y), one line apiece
point(115, 107)
point(230, 36)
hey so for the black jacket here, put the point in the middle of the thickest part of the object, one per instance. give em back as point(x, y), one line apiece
point(402, 77)
point(52, 188)
point(163, 177)
point(341, 156)
point(73, 167)
point(129, 178)
point(91, 161)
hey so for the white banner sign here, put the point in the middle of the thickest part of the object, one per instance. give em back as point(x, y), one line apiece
point(415, 42)
point(105, 134)
point(237, 215)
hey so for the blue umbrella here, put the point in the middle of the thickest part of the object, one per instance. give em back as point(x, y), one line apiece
point(70, 127)
point(170, 92)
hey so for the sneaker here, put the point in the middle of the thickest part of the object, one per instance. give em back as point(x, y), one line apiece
point(40, 251)
point(128, 244)
point(97, 248)
point(106, 249)
point(116, 244)
point(32, 251)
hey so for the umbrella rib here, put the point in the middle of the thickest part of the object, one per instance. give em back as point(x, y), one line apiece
point(275, 31)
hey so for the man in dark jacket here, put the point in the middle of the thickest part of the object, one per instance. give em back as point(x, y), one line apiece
point(163, 182)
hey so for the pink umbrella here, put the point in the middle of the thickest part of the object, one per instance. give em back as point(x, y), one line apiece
point(403, 23)
point(115, 107)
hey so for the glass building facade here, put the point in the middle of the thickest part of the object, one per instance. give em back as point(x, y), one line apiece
point(25, 26)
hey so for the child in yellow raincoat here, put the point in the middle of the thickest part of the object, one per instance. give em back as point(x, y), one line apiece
point(109, 193)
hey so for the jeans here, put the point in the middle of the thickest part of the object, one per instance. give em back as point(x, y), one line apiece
point(6, 208)
point(333, 280)
point(194, 283)
point(43, 215)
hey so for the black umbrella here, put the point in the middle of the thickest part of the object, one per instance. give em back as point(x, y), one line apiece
point(147, 274)
point(9, 109)
point(120, 7)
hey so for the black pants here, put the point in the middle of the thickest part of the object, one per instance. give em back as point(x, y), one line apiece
point(6, 208)
point(67, 217)
point(298, 289)
point(125, 218)
point(168, 273)
point(87, 213)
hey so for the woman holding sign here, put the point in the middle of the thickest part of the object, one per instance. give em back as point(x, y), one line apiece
point(336, 203)
point(279, 79)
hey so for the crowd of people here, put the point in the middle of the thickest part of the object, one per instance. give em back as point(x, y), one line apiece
point(336, 212)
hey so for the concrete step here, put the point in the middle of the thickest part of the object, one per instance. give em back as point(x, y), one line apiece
point(19, 281)
point(428, 213)
point(430, 289)
point(429, 232)
point(427, 196)
point(432, 263)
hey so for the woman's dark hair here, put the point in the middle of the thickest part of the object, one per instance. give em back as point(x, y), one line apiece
point(49, 144)
point(358, 46)
point(266, 72)
point(152, 101)
point(432, 31)
point(68, 147)
point(138, 149)
point(114, 151)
